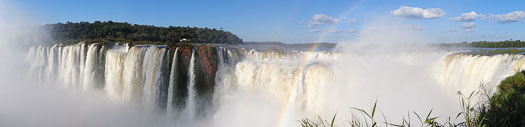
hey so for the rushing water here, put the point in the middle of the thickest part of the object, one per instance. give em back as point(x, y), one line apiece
point(235, 86)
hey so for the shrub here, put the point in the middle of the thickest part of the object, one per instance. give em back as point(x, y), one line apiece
point(507, 106)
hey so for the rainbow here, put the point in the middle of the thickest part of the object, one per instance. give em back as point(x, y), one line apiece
point(285, 112)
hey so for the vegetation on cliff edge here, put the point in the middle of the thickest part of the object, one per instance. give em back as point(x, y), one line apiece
point(100, 32)
point(488, 44)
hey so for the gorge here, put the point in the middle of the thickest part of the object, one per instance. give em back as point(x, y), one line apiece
point(241, 86)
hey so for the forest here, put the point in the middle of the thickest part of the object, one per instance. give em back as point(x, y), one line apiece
point(109, 31)
point(488, 44)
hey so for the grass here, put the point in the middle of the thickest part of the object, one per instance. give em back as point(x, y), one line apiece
point(506, 107)
point(368, 119)
point(319, 123)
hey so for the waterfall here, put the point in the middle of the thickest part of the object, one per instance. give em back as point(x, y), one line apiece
point(133, 74)
point(152, 72)
point(82, 61)
point(172, 82)
point(465, 72)
point(53, 60)
point(227, 61)
point(191, 87)
point(284, 84)
point(219, 89)
point(37, 55)
point(92, 67)
point(114, 72)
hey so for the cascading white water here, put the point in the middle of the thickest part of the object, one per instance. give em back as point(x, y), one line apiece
point(69, 70)
point(82, 61)
point(172, 84)
point(37, 55)
point(114, 69)
point(280, 76)
point(92, 66)
point(286, 85)
point(277, 72)
point(190, 108)
point(52, 60)
point(465, 72)
point(227, 61)
point(134, 73)
point(153, 59)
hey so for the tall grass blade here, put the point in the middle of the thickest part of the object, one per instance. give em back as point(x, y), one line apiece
point(374, 109)
point(333, 120)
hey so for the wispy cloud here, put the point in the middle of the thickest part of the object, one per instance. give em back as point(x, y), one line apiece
point(511, 17)
point(413, 27)
point(332, 31)
point(314, 30)
point(466, 17)
point(469, 26)
point(491, 36)
point(416, 12)
point(319, 19)
point(350, 20)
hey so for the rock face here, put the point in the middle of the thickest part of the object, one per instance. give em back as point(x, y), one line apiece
point(205, 68)
point(181, 84)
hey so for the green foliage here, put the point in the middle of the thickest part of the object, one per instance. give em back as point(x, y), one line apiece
point(169, 44)
point(515, 82)
point(489, 44)
point(507, 51)
point(72, 33)
point(470, 115)
point(319, 123)
point(507, 106)
point(368, 116)
point(368, 120)
point(184, 44)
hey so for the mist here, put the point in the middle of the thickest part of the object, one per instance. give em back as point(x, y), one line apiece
point(394, 66)
point(387, 63)
point(28, 102)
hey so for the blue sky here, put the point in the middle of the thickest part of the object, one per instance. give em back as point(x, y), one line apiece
point(300, 21)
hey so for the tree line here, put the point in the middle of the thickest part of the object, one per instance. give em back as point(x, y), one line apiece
point(489, 44)
point(110, 31)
